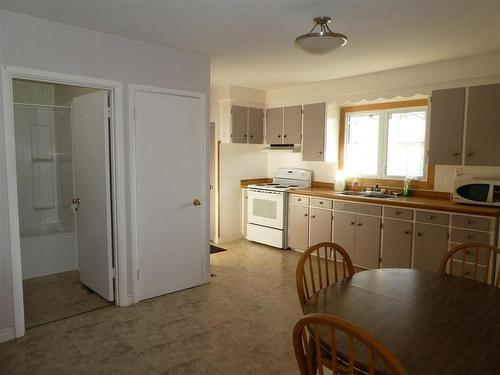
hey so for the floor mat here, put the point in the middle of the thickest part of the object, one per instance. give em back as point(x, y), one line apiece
point(216, 249)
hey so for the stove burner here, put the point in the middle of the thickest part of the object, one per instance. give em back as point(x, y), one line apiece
point(293, 185)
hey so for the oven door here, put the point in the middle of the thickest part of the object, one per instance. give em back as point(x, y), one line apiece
point(266, 208)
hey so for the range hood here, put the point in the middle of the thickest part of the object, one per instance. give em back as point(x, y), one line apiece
point(282, 147)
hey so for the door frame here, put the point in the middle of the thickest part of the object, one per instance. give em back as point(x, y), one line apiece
point(117, 155)
point(132, 90)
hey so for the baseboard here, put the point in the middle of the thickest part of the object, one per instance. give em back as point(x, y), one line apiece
point(7, 334)
point(230, 238)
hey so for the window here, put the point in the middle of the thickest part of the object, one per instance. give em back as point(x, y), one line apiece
point(387, 143)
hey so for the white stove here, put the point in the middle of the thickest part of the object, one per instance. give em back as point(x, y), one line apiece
point(268, 206)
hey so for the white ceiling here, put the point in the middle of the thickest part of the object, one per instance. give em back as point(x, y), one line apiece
point(251, 41)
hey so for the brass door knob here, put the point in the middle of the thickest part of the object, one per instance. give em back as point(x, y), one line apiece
point(75, 200)
point(196, 202)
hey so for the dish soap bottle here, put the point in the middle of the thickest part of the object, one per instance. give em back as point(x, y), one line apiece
point(406, 186)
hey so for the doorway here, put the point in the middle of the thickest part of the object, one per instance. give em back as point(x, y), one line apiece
point(62, 156)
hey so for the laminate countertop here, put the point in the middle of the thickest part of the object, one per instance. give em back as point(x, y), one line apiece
point(413, 202)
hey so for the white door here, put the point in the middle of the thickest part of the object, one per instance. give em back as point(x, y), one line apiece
point(92, 187)
point(171, 174)
point(213, 165)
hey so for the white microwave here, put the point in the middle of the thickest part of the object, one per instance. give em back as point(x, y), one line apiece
point(476, 191)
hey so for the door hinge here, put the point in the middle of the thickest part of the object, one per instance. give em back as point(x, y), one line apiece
point(133, 114)
point(138, 274)
point(381, 225)
point(113, 272)
point(108, 112)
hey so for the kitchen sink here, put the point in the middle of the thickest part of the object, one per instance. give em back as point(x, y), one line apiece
point(367, 194)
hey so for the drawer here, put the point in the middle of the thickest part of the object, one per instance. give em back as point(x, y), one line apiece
point(398, 213)
point(463, 235)
point(322, 203)
point(483, 256)
point(468, 270)
point(471, 222)
point(432, 217)
point(358, 208)
point(295, 199)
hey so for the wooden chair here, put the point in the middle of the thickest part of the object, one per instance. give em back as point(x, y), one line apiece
point(319, 267)
point(470, 260)
point(312, 353)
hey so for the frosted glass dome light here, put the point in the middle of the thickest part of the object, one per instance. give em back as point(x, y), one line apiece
point(322, 40)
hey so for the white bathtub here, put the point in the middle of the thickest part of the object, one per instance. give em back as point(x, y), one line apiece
point(48, 249)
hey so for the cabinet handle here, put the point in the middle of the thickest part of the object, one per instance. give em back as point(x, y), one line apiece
point(469, 154)
point(305, 214)
point(419, 234)
point(321, 202)
point(279, 135)
point(470, 236)
point(284, 136)
point(352, 223)
point(244, 135)
point(456, 153)
point(299, 199)
point(407, 231)
point(398, 212)
point(251, 135)
point(360, 224)
point(432, 217)
point(468, 252)
point(320, 152)
point(313, 216)
point(470, 222)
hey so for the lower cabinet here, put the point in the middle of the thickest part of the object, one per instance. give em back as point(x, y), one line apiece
point(298, 227)
point(396, 247)
point(367, 250)
point(321, 226)
point(431, 243)
point(344, 231)
point(359, 235)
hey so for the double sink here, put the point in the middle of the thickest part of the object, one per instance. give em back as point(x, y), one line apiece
point(367, 194)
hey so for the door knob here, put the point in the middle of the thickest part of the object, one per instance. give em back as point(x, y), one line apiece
point(196, 202)
point(76, 200)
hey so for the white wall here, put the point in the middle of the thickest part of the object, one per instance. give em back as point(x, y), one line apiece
point(397, 84)
point(237, 162)
point(40, 44)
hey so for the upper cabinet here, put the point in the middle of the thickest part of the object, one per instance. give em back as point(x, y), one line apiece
point(483, 126)
point(247, 125)
point(447, 126)
point(274, 125)
point(313, 132)
point(284, 125)
point(292, 124)
point(473, 110)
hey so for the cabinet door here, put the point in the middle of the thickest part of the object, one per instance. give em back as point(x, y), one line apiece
point(367, 250)
point(483, 126)
point(255, 125)
point(344, 231)
point(431, 243)
point(321, 226)
point(274, 125)
point(313, 132)
point(396, 246)
point(292, 124)
point(447, 126)
point(239, 124)
point(298, 227)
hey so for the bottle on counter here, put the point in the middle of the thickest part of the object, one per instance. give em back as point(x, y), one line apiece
point(406, 186)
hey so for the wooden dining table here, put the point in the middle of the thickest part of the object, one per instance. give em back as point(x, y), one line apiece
point(434, 324)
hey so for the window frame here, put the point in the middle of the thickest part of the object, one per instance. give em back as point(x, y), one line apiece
point(385, 109)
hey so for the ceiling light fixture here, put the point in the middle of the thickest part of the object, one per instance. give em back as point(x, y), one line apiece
point(322, 41)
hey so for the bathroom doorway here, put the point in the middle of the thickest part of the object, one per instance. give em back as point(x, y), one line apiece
point(64, 185)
